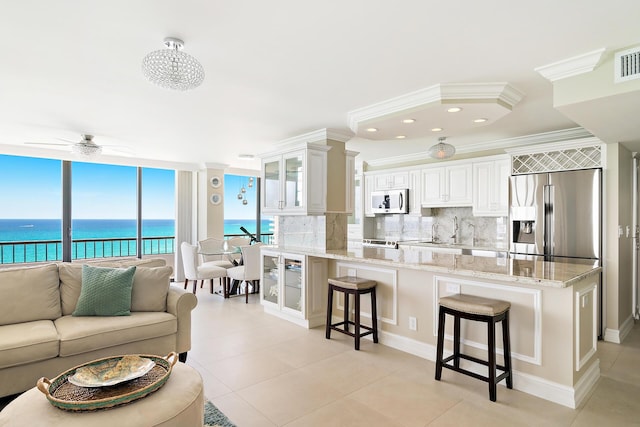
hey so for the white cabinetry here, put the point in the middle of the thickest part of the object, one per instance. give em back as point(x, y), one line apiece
point(389, 181)
point(398, 179)
point(294, 287)
point(368, 189)
point(491, 187)
point(354, 220)
point(447, 185)
point(415, 193)
point(295, 182)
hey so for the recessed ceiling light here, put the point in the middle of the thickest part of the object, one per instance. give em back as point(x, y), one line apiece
point(409, 121)
point(372, 129)
point(480, 120)
point(246, 156)
point(436, 130)
point(400, 137)
point(454, 109)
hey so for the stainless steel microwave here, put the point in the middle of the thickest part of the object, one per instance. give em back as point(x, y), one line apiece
point(390, 201)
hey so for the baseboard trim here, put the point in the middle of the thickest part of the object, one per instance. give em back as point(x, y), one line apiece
point(527, 383)
point(617, 336)
point(626, 328)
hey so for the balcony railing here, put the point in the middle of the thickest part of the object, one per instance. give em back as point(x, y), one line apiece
point(51, 250)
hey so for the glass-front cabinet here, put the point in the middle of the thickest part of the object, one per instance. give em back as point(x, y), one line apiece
point(295, 182)
point(270, 286)
point(283, 282)
point(271, 184)
point(293, 286)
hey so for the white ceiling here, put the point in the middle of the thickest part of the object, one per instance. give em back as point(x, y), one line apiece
point(282, 68)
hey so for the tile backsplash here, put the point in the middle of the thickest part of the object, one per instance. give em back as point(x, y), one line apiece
point(439, 226)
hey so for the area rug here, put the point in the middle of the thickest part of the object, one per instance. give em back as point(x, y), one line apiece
point(214, 418)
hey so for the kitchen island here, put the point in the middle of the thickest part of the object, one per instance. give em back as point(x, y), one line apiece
point(554, 308)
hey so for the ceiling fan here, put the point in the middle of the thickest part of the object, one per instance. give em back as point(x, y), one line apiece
point(84, 148)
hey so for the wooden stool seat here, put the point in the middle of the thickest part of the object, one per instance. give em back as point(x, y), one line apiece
point(352, 286)
point(487, 310)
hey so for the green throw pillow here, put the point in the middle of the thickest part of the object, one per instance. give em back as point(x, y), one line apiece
point(105, 291)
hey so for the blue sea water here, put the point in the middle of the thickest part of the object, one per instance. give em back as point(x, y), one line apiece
point(19, 230)
point(38, 230)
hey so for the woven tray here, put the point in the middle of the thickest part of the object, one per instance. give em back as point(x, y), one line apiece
point(64, 395)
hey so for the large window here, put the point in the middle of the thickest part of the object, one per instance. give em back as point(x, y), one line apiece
point(158, 210)
point(31, 214)
point(241, 208)
point(103, 208)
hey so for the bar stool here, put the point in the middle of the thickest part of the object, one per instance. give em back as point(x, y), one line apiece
point(356, 287)
point(480, 309)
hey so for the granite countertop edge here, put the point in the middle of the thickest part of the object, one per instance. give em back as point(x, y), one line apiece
point(354, 255)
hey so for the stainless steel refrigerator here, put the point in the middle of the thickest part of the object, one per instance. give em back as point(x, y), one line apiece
point(558, 217)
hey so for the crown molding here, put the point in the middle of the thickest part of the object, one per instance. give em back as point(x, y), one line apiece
point(510, 145)
point(319, 135)
point(554, 146)
point(573, 66)
point(445, 93)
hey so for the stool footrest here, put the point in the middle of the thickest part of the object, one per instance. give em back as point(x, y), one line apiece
point(335, 327)
point(475, 375)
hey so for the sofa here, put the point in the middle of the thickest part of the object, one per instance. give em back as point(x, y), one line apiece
point(42, 332)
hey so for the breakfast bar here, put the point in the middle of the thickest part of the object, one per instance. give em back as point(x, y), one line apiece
point(554, 308)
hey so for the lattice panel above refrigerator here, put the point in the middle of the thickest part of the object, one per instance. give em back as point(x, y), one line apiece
point(560, 160)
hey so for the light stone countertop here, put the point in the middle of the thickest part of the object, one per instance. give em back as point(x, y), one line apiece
point(529, 272)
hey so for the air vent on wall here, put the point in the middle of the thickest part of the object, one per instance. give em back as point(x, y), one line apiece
point(627, 64)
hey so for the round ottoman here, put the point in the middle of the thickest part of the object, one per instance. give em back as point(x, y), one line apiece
point(180, 402)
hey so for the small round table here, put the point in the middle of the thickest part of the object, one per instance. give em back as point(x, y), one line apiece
point(180, 402)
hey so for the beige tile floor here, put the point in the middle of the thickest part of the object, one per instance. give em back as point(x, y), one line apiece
point(264, 371)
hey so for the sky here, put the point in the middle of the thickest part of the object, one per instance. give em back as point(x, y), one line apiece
point(31, 188)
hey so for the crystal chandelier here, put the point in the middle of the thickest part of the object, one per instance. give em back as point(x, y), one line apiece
point(172, 69)
point(442, 150)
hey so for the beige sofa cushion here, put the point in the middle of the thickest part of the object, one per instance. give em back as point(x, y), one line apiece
point(27, 342)
point(29, 293)
point(150, 285)
point(70, 285)
point(150, 288)
point(84, 334)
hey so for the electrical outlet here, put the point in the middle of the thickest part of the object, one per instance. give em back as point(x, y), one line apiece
point(413, 323)
point(351, 272)
point(453, 288)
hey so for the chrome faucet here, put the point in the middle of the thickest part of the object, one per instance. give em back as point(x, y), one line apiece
point(454, 236)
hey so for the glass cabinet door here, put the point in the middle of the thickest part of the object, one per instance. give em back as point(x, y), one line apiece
point(293, 181)
point(270, 278)
point(292, 285)
point(271, 184)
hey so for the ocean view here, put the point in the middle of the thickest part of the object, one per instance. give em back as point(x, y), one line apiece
point(20, 230)
point(39, 230)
